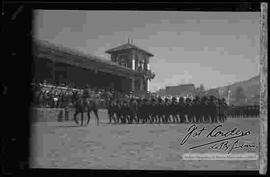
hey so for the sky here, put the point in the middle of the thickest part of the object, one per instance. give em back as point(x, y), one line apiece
point(209, 48)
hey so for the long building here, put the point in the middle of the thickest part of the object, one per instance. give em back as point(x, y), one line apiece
point(182, 90)
point(59, 64)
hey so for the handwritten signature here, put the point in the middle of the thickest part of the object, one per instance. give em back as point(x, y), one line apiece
point(216, 132)
point(230, 146)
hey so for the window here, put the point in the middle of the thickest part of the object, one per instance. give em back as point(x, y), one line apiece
point(123, 60)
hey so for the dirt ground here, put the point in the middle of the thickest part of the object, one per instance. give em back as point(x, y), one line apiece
point(134, 146)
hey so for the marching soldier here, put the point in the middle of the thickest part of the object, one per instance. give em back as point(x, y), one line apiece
point(118, 110)
point(159, 108)
point(196, 109)
point(205, 109)
point(181, 110)
point(166, 113)
point(153, 111)
point(133, 108)
point(125, 112)
point(145, 110)
point(189, 110)
point(140, 111)
point(221, 109)
point(111, 110)
point(213, 109)
point(174, 110)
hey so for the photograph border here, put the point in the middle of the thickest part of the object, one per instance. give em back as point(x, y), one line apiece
point(263, 88)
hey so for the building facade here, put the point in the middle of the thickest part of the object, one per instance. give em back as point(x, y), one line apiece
point(59, 64)
point(182, 90)
point(137, 59)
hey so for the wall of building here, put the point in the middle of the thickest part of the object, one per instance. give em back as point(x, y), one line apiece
point(139, 57)
point(128, 57)
point(180, 90)
point(43, 70)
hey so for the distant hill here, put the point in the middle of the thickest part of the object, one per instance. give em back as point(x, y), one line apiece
point(251, 88)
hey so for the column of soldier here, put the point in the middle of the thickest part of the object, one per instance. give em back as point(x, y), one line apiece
point(157, 111)
point(245, 111)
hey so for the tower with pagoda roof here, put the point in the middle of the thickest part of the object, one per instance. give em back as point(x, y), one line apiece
point(130, 56)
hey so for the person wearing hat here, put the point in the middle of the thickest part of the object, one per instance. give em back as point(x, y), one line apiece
point(154, 111)
point(181, 110)
point(212, 109)
point(159, 99)
point(173, 109)
point(166, 112)
point(197, 109)
point(222, 109)
point(133, 108)
point(188, 108)
point(158, 109)
point(140, 110)
point(110, 110)
point(147, 111)
point(118, 110)
point(125, 113)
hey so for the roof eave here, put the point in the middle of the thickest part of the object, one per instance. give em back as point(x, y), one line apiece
point(111, 51)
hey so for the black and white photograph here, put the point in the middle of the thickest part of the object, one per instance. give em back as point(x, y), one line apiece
point(145, 90)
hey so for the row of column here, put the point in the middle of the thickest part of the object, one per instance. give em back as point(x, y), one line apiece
point(141, 80)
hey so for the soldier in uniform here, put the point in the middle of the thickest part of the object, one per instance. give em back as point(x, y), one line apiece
point(181, 110)
point(133, 108)
point(145, 110)
point(174, 110)
point(153, 111)
point(166, 112)
point(213, 109)
point(221, 109)
point(110, 108)
point(196, 109)
point(204, 109)
point(148, 110)
point(118, 111)
point(140, 110)
point(159, 110)
point(124, 112)
point(225, 109)
point(189, 110)
point(65, 105)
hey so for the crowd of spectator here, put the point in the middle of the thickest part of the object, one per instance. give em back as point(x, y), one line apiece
point(51, 95)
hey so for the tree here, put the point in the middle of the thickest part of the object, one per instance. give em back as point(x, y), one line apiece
point(201, 88)
point(199, 91)
point(240, 95)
